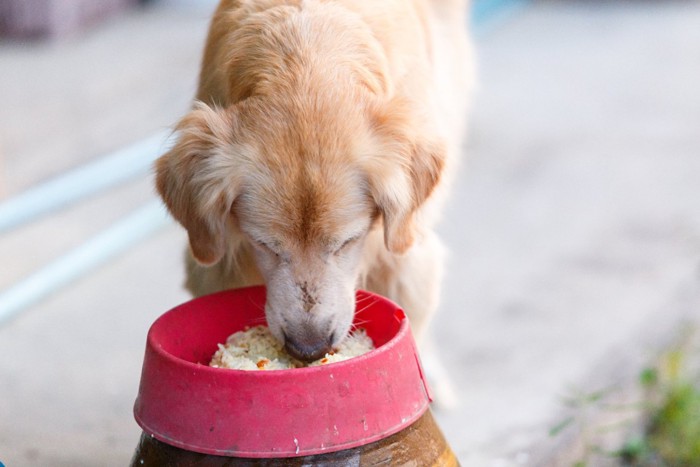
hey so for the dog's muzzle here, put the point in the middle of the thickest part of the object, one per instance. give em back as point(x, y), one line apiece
point(309, 345)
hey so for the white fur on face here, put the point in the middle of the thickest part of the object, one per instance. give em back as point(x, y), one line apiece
point(311, 296)
point(310, 281)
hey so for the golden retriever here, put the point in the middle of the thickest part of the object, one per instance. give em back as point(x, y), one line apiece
point(315, 157)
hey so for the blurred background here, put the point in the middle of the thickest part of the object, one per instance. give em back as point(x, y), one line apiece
point(574, 226)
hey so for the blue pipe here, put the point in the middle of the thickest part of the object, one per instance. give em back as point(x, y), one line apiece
point(487, 14)
point(130, 162)
point(118, 238)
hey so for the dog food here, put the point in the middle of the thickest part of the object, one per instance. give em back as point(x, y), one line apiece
point(257, 349)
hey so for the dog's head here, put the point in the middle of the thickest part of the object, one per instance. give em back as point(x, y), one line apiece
point(304, 187)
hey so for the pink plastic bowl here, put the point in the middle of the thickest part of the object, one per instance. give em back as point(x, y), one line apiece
point(282, 413)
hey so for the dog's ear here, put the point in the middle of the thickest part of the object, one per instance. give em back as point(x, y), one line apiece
point(403, 173)
point(198, 179)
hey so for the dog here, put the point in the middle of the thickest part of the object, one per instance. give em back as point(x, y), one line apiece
point(316, 157)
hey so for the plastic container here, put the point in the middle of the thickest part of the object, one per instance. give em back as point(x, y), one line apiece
point(352, 408)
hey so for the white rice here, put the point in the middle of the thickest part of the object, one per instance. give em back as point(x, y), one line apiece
point(256, 349)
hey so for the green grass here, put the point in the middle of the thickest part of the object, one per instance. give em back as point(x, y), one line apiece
point(671, 407)
point(675, 431)
point(673, 436)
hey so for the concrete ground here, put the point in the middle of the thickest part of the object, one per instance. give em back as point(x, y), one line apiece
point(574, 228)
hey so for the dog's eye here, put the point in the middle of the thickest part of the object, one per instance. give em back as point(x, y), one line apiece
point(267, 247)
point(346, 244)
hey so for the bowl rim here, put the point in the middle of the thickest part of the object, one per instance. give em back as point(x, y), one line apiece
point(399, 314)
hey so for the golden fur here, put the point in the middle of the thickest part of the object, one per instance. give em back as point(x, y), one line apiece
point(316, 155)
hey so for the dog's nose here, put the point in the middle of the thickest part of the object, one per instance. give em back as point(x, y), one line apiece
point(308, 347)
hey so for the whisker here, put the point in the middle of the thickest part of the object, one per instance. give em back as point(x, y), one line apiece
point(367, 299)
point(364, 299)
point(358, 324)
point(256, 304)
point(257, 321)
point(366, 307)
point(369, 305)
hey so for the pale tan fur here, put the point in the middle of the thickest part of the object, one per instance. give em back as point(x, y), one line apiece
point(316, 156)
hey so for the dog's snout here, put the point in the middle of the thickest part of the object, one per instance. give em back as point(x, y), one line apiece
point(308, 297)
point(307, 346)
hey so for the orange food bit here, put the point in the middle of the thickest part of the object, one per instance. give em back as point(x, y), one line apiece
point(263, 362)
